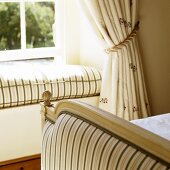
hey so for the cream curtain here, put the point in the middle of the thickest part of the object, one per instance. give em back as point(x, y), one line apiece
point(123, 91)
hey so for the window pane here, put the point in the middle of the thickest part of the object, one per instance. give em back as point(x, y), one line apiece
point(39, 21)
point(10, 33)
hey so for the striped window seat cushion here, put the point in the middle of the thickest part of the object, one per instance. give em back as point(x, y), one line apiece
point(23, 83)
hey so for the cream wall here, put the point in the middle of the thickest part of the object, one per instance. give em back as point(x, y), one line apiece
point(20, 132)
point(78, 48)
point(91, 50)
point(154, 37)
point(71, 32)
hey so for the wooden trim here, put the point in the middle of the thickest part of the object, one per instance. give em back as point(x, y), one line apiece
point(22, 159)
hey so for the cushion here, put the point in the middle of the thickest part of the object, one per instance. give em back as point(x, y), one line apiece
point(23, 83)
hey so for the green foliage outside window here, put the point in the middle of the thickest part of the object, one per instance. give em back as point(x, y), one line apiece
point(10, 34)
point(39, 20)
point(39, 17)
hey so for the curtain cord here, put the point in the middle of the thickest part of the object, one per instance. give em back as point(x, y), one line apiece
point(124, 43)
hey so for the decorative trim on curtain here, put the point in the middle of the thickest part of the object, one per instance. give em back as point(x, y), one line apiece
point(123, 90)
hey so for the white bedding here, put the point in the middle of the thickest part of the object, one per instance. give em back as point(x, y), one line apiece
point(159, 124)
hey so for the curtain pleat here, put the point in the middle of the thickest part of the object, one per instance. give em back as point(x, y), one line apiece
point(123, 90)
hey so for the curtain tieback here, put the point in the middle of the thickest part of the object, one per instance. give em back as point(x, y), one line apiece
point(124, 43)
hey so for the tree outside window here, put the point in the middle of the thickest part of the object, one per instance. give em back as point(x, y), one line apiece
point(39, 18)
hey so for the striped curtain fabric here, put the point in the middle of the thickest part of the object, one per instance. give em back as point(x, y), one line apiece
point(74, 143)
point(25, 83)
point(123, 90)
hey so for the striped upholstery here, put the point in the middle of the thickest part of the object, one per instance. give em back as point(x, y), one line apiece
point(25, 82)
point(74, 143)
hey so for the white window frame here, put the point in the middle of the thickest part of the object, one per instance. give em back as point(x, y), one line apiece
point(34, 53)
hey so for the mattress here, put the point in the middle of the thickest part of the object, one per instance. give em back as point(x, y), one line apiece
point(159, 124)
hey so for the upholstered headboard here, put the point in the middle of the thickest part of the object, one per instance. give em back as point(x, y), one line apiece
point(79, 136)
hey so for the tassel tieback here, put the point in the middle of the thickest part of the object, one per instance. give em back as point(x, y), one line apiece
point(125, 42)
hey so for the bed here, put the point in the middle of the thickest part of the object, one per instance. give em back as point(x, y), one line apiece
point(79, 136)
point(159, 124)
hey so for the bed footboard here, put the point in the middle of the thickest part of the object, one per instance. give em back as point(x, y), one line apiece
point(79, 136)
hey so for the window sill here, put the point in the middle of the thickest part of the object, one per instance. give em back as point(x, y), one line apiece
point(35, 53)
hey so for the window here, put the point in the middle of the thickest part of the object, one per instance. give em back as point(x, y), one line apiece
point(26, 29)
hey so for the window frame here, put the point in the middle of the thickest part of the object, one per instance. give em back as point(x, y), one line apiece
point(32, 53)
